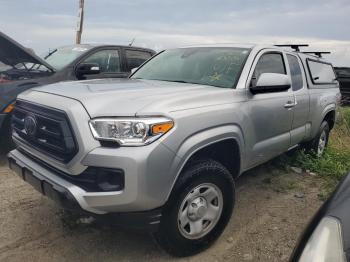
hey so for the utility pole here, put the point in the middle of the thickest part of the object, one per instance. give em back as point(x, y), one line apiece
point(80, 22)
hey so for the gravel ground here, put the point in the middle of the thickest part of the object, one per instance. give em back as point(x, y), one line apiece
point(272, 208)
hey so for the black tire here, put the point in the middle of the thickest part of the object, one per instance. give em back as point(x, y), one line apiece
point(200, 172)
point(313, 146)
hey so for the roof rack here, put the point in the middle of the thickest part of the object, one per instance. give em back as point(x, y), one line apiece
point(317, 53)
point(296, 47)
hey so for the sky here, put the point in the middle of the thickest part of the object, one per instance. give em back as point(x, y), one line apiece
point(161, 24)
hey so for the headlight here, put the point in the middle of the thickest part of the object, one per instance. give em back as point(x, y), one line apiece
point(325, 243)
point(130, 131)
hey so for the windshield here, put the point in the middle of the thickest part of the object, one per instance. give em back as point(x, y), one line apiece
point(63, 56)
point(213, 66)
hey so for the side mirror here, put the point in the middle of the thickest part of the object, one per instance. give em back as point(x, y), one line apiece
point(271, 82)
point(87, 69)
point(134, 70)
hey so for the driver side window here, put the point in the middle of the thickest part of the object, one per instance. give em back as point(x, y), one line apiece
point(108, 61)
point(269, 63)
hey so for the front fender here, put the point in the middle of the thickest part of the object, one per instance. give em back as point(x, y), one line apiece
point(201, 140)
point(2, 120)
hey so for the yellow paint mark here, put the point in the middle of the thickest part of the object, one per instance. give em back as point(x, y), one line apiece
point(215, 77)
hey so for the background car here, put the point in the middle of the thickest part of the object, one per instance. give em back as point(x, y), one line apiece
point(21, 69)
point(343, 76)
point(327, 238)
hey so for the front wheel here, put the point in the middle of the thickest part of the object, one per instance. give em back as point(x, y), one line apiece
point(198, 210)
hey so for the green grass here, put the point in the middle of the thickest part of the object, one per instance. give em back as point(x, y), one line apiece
point(335, 163)
point(345, 116)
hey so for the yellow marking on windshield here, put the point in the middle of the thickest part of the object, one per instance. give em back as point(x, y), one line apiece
point(215, 77)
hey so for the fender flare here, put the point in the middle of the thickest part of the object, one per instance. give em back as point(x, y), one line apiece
point(327, 109)
point(202, 139)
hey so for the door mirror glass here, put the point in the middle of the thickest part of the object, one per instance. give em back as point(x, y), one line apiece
point(87, 69)
point(271, 82)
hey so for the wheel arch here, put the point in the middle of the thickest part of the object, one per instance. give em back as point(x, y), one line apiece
point(330, 118)
point(213, 143)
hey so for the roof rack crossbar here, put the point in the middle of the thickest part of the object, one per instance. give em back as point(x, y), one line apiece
point(317, 53)
point(296, 47)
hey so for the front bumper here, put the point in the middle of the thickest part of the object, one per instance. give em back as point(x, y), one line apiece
point(72, 197)
point(144, 187)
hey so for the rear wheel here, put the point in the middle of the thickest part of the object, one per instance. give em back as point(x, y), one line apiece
point(198, 210)
point(320, 142)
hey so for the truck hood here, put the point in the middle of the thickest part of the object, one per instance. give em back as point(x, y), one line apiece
point(130, 97)
point(12, 53)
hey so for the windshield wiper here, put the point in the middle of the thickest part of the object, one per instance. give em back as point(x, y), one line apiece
point(165, 80)
point(176, 81)
point(50, 53)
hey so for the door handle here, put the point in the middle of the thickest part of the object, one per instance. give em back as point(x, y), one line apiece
point(290, 104)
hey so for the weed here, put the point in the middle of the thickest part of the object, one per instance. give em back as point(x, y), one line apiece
point(335, 162)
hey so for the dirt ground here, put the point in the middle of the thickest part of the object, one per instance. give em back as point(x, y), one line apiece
point(272, 208)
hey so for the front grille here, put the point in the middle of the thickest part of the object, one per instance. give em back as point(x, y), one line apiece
point(46, 129)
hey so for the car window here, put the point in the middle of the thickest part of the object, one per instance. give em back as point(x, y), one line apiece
point(108, 61)
point(135, 58)
point(270, 63)
point(321, 73)
point(295, 71)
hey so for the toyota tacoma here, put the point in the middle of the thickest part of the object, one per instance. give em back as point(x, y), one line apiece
point(163, 149)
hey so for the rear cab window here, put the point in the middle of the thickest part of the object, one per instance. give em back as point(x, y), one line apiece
point(321, 73)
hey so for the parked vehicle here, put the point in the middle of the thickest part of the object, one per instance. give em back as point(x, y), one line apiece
point(21, 69)
point(327, 237)
point(162, 149)
point(343, 76)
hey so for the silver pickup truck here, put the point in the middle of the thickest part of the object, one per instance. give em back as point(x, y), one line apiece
point(162, 149)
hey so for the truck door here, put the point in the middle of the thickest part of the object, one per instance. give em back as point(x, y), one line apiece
point(270, 113)
point(300, 123)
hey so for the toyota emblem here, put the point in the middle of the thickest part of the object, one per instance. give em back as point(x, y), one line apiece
point(30, 125)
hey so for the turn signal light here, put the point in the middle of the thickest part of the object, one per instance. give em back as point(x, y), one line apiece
point(9, 108)
point(161, 128)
